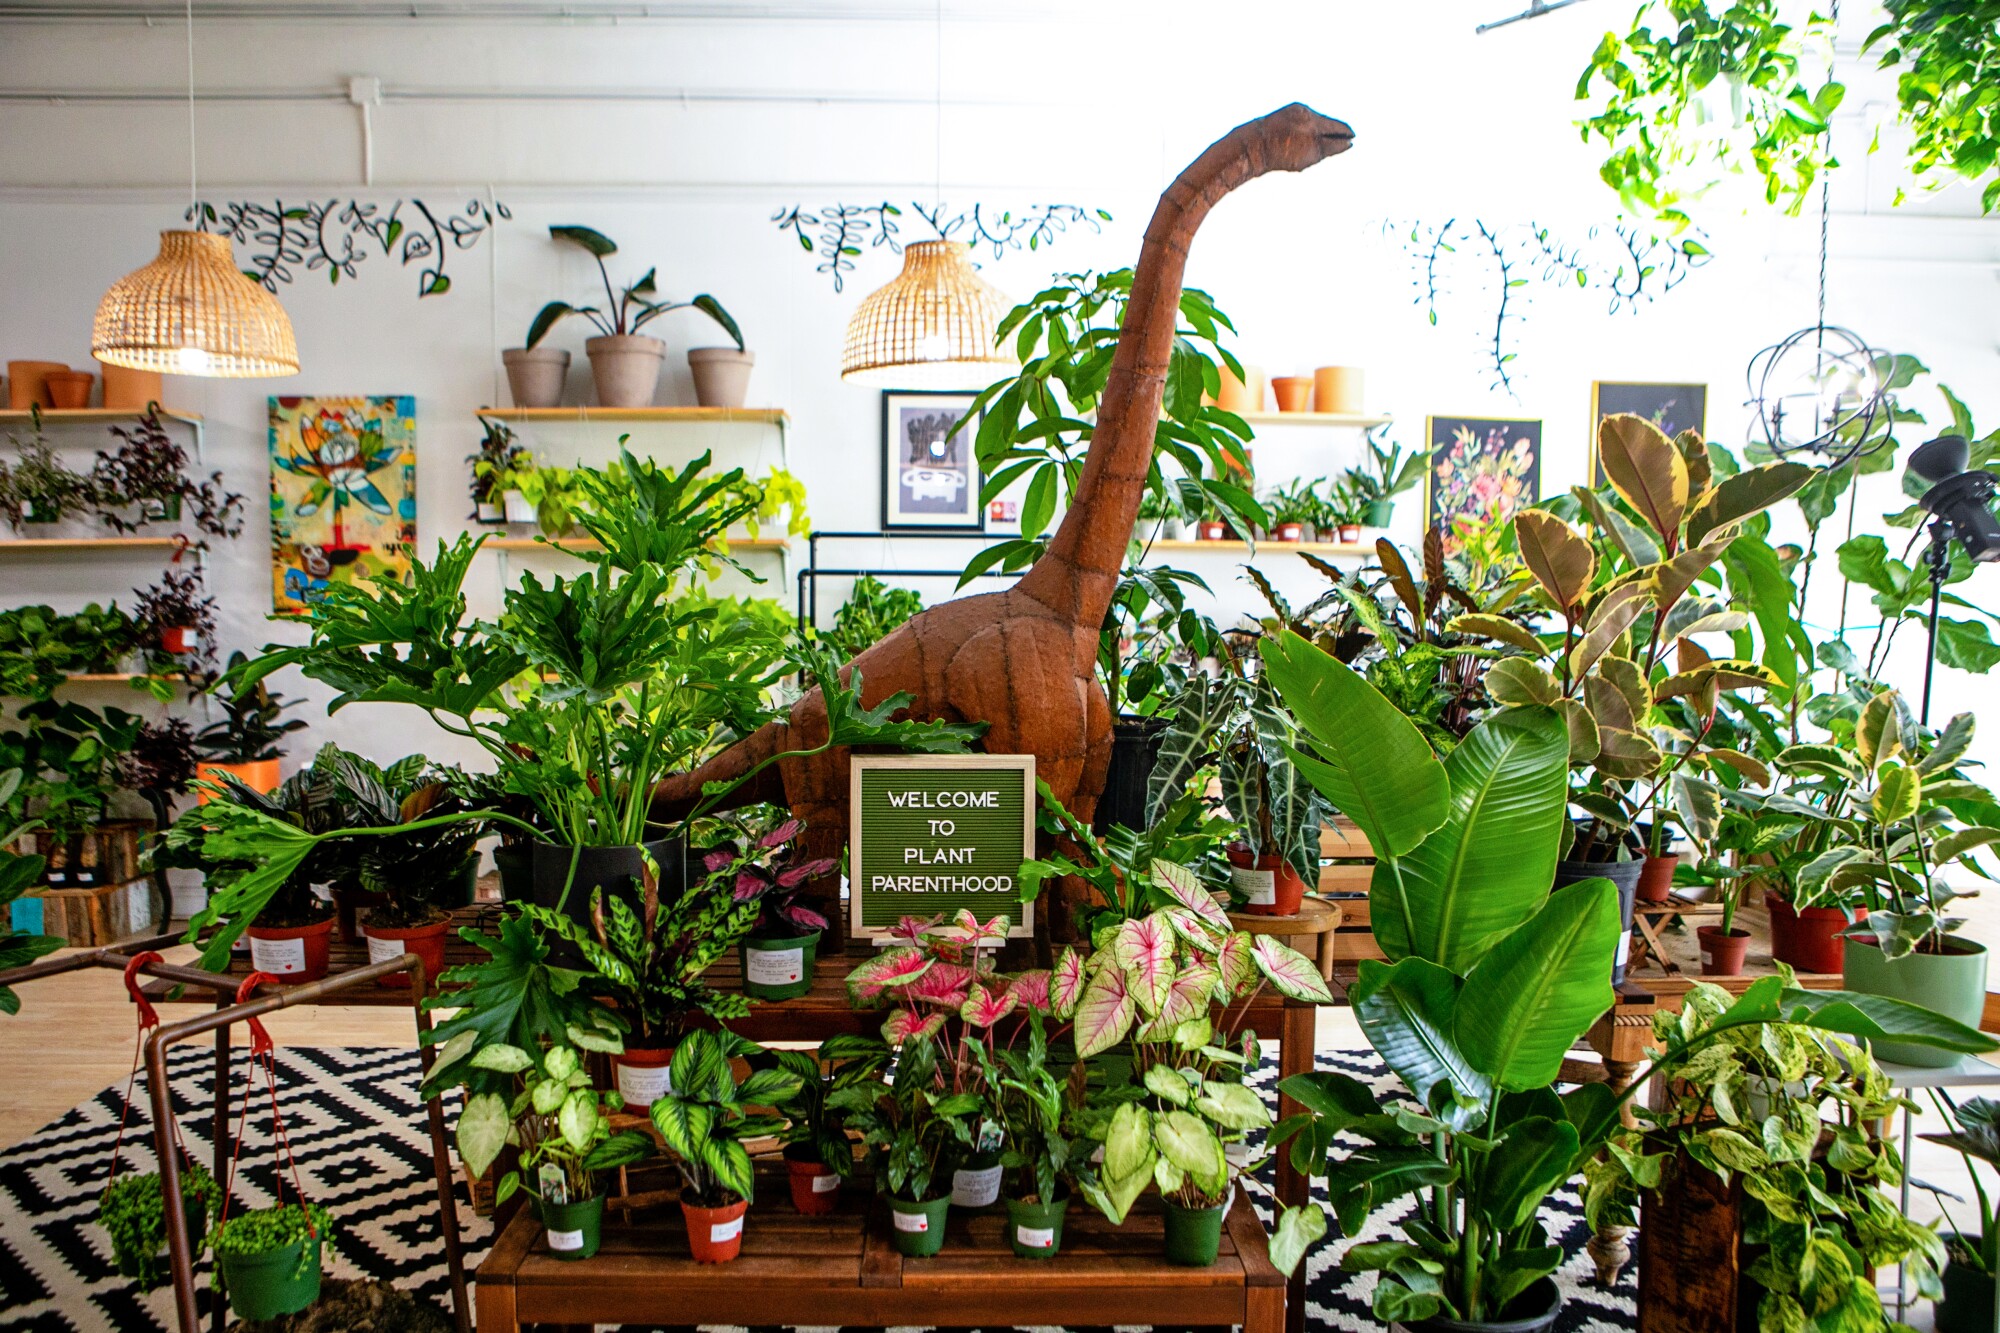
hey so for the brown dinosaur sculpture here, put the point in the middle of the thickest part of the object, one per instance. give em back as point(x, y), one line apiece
point(1024, 660)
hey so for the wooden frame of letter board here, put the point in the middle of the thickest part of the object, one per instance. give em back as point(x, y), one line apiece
point(1022, 763)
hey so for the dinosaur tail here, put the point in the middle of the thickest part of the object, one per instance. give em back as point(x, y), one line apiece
point(676, 796)
point(1079, 572)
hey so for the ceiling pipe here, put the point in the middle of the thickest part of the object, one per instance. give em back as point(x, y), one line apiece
point(382, 96)
point(500, 11)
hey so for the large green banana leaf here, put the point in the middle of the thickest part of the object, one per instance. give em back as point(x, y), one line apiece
point(1407, 1012)
point(1540, 987)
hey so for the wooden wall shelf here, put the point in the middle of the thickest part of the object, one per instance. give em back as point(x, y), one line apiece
point(765, 416)
point(1241, 548)
point(57, 415)
point(27, 545)
point(592, 544)
point(1358, 420)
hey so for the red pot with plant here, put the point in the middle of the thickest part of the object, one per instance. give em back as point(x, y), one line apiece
point(703, 1120)
point(178, 639)
point(643, 1074)
point(292, 953)
point(1722, 950)
point(1212, 532)
point(426, 940)
point(1809, 938)
point(1289, 532)
point(1656, 878)
point(1269, 882)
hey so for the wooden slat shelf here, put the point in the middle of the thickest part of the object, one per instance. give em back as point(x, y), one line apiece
point(764, 416)
point(592, 544)
point(1361, 420)
point(1317, 548)
point(30, 544)
point(112, 677)
point(84, 415)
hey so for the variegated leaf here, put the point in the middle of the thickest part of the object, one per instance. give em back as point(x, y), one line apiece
point(1144, 948)
point(1066, 980)
point(1291, 972)
point(1104, 1014)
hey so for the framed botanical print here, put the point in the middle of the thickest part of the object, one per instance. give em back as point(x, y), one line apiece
point(1482, 470)
point(1672, 407)
point(930, 474)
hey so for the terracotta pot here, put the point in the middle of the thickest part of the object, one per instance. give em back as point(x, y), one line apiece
point(1809, 940)
point(1273, 886)
point(27, 383)
point(129, 388)
point(815, 1186)
point(1337, 389)
point(642, 1074)
point(1289, 532)
point(69, 390)
point(259, 775)
point(349, 902)
point(426, 942)
point(1349, 533)
point(626, 369)
point(535, 375)
point(292, 953)
point(178, 639)
point(1212, 532)
point(1656, 878)
point(721, 375)
point(1244, 395)
point(1293, 392)
point(1722, 955)
point(715, 1235)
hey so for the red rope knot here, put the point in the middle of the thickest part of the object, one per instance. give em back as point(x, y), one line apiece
point(149, 1017)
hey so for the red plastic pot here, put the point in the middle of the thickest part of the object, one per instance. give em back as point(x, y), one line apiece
point(1273, 886)
point(1212, 532)
point(1722, 955)
point(291, 953)
point(642, 1074)
point(1656, 879)
point(715, 1235)
point(1809, 940)
point(177, 639)
point(1289, 532)
point(426, 942)
point(815, 1186)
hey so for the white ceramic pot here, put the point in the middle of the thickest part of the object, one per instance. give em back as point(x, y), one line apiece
point(487, 512)
point(516, 507)
point(721, 375)
point(535, 375)
point(626, 368)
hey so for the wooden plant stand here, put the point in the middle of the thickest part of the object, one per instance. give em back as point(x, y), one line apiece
point(843, 1269)
point(1651, 918)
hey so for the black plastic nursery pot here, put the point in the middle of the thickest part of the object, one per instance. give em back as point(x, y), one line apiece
point(1967, 1303)
point(918, 1228)
point(1135, 745)
point(1623, 874)
point(598, 867)
point(778, 969)
point(1533, 1311)
point(1035, 1229)
point(1194, 1235)
point(573, 1229)
point(273, 1283)
point(516, 868)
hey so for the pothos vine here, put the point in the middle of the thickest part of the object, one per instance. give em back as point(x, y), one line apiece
point(336, 237)
point(838, 234)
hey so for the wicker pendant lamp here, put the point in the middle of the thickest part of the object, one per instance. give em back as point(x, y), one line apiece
point(192, 311)
point(930, 328)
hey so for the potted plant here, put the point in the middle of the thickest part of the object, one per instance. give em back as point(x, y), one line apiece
point(1044, 1152)
point(626, 364)
point(37, 488)
point(703, 1119)
point(498, 456)
point(818, 1154)
point(1293, 507)
point(132, 1212)
point(146, 480)
point(871, 611)
point(1211, 523)
point(778, 952)
point(912, 1130)
point(536, 374)
point(562, 1128)
point(18, 873)
point(415, 878)
point(1967, 1299)
point(179, 618)
point(269, 1260)
point(1161, 508)
point(1388, 474)
point(244, 742)
point(1150, 644)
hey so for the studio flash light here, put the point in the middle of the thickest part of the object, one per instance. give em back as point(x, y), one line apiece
point(1960, 498)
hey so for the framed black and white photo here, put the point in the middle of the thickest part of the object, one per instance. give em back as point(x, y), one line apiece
point(930, 475)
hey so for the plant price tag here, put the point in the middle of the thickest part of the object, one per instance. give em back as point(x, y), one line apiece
point(642, 1085)
point(565, 1240)
point(774, 967)
point(721, 1231)
point(278, 957)
point(975, 1189)
point(1260, 885)
point(826, 1184)
point(385, 951)
point(910, 1221)
point(1035, 1238)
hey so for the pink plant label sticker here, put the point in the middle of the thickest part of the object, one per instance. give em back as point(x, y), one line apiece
point(642, 1085)
point(774, 967)
point(1261, 886)
point(722, 1231)
point(278, 957)
point(1035, 1238)
point(565, 1240)
point(911, 1221)
point(826, 1184)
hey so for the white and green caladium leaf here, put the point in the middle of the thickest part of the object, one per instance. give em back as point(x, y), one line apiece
point(547, 1096)
point(578, 1118)
point(1299, 1229)
point(1170, 1084)
point(1407, 1013)
point(1232, 1105)
point(482, 1131)
point(1187, 890)
point(500, 1057)
point(1066, 982)
point(1144, 948)
point(452, 1052)
point(1290, 972)
point(1105, 1013)
point(1540, 987)
point(1186, 1141)
point(1372, 763)
point(1488, 866)
point(1188, 997)
point(1234, 962)
point(602, 1040)
point(559, 1062)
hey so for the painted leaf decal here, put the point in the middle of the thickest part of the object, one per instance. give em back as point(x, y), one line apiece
point(1145, 949)
point(1105, 1013)
point(1290, 971)
point(982, 1008)
point(1561, 558)
point(1188, 891)
point(1646, 470)
point(1066, 983)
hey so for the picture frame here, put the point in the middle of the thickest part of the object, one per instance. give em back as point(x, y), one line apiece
point(1670, 406)
point(995, 857)
point(1480, 466)
point(930, 474)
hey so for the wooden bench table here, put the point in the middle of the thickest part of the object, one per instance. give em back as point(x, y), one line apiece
point(843, 1269)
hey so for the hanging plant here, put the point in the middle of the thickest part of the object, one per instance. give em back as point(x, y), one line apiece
point(1712, 94)
point(1945, 91)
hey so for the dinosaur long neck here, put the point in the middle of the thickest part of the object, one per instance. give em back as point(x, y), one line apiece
point(1078, 574)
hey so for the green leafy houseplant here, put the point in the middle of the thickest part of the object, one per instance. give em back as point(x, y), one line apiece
point(871, 610)
point(39, 646)
point(18, 873)
point(626, 310)
point(1043, 1147)
point(1944, 55)
point(705, 1116)
point(252, 726)
point(132, 1212)
point(38, 487)
point(1387, 474)
point(1975, 1255)
point(497, 458)
point(1295, 501)
point(558, 1121)
point(815, 1133)
point(553, 493)
point(146, 480)
point(69, 758)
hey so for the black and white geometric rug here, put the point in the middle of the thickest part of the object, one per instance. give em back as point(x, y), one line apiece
point(358, 1133)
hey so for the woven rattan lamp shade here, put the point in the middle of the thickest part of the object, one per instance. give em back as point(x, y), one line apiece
point(931, 328)
point(191, 312)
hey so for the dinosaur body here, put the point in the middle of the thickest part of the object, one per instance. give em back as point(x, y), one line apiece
point(1024, 660)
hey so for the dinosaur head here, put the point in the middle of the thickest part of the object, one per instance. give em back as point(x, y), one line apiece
point(1303, 138)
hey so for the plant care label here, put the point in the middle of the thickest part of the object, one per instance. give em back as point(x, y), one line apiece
point(385, 951)
point(1625, 948)
point(774, 967)
point(281, 958)
point(1035, 1238)
point(565, 1240)
point(975, 1189)
point(642, 1085)
point(910, 1221)
point(721, 1231)
point(826, 1184)
point(933, 835)
point(554, 1189)
point(1259, 886)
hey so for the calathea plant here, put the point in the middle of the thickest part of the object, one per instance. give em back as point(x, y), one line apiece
point(706, 1114)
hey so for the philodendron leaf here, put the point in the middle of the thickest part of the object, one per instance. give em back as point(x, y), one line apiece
point(482, 1131)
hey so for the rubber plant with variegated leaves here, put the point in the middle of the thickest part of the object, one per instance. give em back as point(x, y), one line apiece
point(1629, 594)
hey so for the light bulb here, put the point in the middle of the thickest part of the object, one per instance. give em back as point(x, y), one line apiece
point(191, 361)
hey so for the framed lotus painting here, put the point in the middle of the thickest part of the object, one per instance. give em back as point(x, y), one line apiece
point(343, 495)
point(1482, 470)
point(1672, 407)
point(930, 475)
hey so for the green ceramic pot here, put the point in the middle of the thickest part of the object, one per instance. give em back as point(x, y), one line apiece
point(1952, 983)
point(1035, 1229)
point(779, 969)
point(918, 1228)
point(1379, 513)
point(1194, 1235)
point(277, 1282)
point(573, 1229)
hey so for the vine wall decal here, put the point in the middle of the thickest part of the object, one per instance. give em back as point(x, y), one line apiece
point(278, 241)
point(838, 234)
point(1494, 267)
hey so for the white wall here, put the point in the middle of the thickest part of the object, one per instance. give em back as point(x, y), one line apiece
point(1095, 104)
